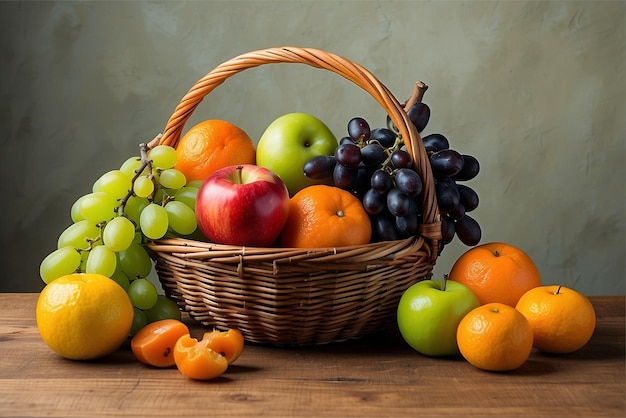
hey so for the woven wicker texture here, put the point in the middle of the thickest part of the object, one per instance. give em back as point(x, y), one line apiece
point(285, 296)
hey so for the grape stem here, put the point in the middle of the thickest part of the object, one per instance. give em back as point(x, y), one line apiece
point(386, 165)
point(145, 163)
point(155, 141)
point(90, 241)
point(417, 96)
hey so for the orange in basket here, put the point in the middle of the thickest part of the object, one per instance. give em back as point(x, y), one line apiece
point(211, 145)
point(325, 216)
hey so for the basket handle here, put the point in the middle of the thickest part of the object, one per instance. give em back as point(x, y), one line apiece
point(431, 223)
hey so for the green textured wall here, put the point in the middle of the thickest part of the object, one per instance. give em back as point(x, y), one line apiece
point(535, 90)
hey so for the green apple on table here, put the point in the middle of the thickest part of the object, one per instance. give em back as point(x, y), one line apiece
point(429, 313)
point(289, 142)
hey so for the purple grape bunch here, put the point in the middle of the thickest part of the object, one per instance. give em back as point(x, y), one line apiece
point(374, 165)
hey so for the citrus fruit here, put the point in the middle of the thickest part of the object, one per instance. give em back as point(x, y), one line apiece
point(211, 145)
point(83, 316)
point(325, 216)
point(495, 337)
point(154, 343)
point(562, 319)
point(496, 272)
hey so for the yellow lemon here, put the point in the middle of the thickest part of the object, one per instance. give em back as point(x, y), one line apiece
point(84, 316)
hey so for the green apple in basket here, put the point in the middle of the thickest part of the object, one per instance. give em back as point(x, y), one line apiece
point(289, 142)
point(429, 313)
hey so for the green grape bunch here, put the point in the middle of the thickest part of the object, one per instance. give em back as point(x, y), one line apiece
point(146, 198)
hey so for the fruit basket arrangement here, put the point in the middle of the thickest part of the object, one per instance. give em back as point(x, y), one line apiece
point(323, 244)
point(396, 196)
point(298, 296)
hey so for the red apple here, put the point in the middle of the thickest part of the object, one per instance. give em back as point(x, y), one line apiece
point(243, 205)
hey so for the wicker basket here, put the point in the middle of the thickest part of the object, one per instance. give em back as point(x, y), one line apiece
point(286, 296)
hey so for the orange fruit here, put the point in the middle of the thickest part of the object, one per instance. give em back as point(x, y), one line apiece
point(496, 272)
point(495, 337)
point(323, 216)
point(154, 343)
point(211, 145)
point(562, 319)
point(84, 316)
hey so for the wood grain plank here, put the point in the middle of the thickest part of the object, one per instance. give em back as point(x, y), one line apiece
point(375, 376)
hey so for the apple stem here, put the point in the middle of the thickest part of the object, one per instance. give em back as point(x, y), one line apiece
point(239, 176)
point(444, 282)
point(417, 96)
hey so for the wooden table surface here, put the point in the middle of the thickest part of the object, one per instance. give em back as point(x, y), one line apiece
point(377, 376)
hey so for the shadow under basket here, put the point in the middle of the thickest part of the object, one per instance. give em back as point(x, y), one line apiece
point(299, 296)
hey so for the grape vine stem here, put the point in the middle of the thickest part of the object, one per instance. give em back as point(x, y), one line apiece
point(417, 96)
point(145, 162)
